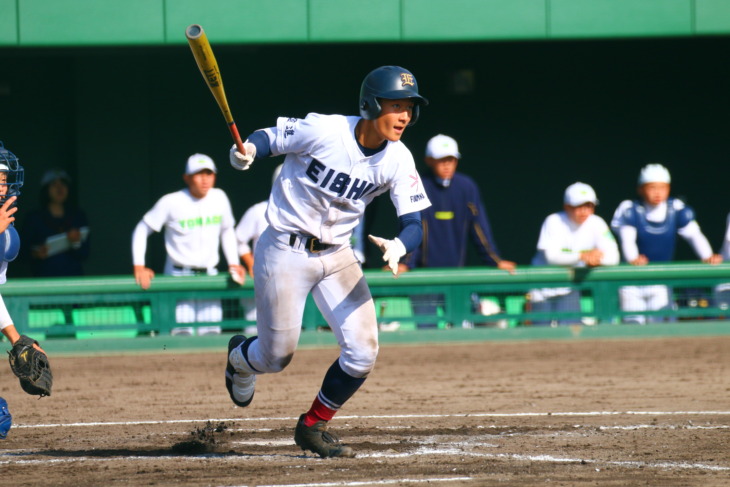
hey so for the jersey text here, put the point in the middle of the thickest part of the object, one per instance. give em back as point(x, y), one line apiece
point(339, 183)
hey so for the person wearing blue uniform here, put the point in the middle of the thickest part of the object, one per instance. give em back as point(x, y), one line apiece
point(456, 217)
point(647, 228)
point(457, 214)
point(57, 233)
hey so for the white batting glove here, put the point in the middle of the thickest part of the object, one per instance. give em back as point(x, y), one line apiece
point(392, 250)
point(242, 161)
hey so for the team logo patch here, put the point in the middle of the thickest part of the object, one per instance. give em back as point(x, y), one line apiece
point(415, 179)
point(406, 79)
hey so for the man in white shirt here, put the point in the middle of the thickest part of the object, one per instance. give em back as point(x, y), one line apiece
point(196, 221)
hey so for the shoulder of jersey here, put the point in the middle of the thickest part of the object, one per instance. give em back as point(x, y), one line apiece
point(624, 205)
point(678, 204)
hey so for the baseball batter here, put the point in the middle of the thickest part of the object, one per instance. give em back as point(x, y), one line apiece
point(196, 220)
point(335, 165)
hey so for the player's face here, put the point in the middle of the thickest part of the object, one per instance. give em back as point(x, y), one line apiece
point(395, 115)
point(443, 168)
point(3, 183)
point(200, 182)
point(654, 193)
point(579, 214)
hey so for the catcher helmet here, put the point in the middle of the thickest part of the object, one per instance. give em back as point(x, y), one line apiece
point(10, 166)
point(390, 83)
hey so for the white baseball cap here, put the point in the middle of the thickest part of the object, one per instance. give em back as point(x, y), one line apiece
point(442, 146)
point(654, 173)
point(578, 194)
point(199, 162)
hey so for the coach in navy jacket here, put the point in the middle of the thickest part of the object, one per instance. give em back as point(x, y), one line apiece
point(457, 214)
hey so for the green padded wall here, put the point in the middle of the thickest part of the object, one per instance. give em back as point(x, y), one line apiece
point(228, 21)
point(8, 23)
point(712, 16)
point(620, 18)
point(428, 20)
point(150, 22)
point(90, 22)
point(355, 20)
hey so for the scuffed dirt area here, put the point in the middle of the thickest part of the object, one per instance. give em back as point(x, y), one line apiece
point(573, 413)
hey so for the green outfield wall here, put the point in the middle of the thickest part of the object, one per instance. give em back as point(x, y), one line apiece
point(158, 22)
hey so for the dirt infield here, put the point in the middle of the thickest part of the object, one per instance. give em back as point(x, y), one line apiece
point(571, 413)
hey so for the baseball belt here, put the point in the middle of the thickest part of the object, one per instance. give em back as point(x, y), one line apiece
point(197, 271)
point(312, 244)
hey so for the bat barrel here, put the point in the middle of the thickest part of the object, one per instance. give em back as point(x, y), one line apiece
point(194, 31)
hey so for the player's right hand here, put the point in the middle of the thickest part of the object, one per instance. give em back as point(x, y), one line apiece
point(6, 213)
point(242, 161)
point(143, 276)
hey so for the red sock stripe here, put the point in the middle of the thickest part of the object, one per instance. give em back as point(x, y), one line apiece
point(318, 412)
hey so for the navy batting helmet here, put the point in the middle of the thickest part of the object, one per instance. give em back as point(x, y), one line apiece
point(10, 166)
point(390, 83)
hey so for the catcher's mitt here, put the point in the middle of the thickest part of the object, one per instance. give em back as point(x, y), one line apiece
point(31, 367)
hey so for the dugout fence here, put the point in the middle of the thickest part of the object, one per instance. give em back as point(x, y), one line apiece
point(114, 306)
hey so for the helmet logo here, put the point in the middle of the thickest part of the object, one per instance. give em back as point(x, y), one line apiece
point(407, 79)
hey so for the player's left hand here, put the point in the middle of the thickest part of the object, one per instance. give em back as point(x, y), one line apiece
point(242, 161)
point(238, 274)
point(392, 250)
point(713, 259)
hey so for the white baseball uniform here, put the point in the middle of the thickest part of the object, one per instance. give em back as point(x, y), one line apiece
point(248, 231)
point(325, 184)
point(194, 230)
point(252, 225)
point(561, 242)
point(5, 319)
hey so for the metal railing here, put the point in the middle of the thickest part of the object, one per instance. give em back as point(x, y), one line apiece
point(105, 306)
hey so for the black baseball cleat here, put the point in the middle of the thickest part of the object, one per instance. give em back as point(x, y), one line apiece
point(243, 383)
point(318, 440)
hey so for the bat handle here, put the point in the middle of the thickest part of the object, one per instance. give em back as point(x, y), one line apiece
point(236, 137)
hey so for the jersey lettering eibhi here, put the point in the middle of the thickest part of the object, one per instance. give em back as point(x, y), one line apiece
point(326, 181)
point(183, 217)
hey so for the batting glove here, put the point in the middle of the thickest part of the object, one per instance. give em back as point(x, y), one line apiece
point(242, 161)
point(392, 250)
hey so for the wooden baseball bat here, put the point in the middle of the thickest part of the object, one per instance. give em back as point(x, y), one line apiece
point(208, 66)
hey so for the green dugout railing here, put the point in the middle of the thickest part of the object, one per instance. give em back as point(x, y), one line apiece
point(114, 306)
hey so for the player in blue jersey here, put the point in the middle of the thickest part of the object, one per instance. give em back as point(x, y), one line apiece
point(647, 229)
point(335, 165)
